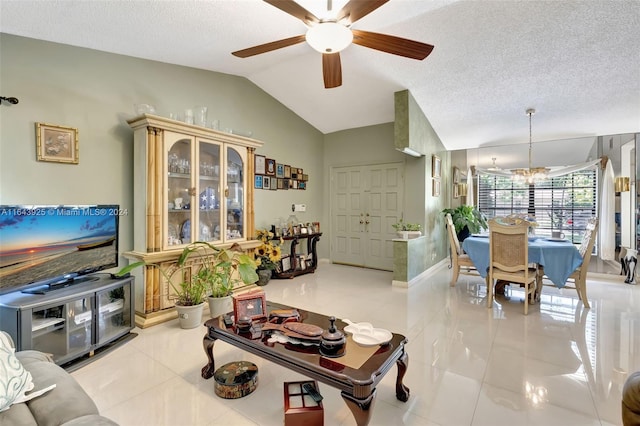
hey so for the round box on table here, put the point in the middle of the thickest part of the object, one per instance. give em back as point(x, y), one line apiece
point(236, 379)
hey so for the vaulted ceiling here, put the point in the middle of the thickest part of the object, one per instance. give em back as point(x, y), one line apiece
point(576, 62)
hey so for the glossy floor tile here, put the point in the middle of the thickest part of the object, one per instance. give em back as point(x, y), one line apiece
point(468, 364)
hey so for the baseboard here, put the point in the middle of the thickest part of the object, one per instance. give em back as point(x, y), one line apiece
point(424, 274)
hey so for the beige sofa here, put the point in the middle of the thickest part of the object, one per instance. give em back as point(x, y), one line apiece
point(66, 404)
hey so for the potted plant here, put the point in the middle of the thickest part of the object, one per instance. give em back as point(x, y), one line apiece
point(267, 256)
point(467, 220)
point(407, 230)
point(189, 302)
point(220, 270)
point(215, 273)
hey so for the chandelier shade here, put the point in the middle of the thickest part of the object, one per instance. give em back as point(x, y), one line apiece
point(532, 174)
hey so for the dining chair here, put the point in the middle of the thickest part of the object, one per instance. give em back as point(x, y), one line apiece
point(579, 276)
point(459, 259)
point(509, 258)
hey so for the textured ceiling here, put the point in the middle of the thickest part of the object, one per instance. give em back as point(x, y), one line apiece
point(576, 62)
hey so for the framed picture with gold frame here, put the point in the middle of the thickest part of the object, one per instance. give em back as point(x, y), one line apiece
point(57, 144)
point(436, 188)
point(456, 175)
point(456, 190)
point(435, 166)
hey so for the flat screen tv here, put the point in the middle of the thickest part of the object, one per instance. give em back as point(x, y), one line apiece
point(46, 247)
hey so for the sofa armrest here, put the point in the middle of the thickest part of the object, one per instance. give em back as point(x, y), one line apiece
point(631, 400)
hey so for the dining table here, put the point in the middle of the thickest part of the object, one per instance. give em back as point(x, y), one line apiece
point(557, 257)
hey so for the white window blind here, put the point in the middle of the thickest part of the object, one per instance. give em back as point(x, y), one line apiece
point(563, 203)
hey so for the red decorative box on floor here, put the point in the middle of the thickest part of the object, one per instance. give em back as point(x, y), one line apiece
point(299, 408)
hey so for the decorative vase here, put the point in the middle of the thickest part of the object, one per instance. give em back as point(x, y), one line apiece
point(219, 306)
point(190, 316)
point(264, 275)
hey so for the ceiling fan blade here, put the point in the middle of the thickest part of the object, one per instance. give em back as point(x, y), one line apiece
point(268, 47)
point(295, 10)
point(357, 9)
point(331, 70)
point(392, 44)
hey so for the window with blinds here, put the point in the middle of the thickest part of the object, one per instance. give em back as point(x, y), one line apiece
point(563, 203)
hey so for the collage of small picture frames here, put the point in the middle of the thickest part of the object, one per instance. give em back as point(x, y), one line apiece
point(272, 175)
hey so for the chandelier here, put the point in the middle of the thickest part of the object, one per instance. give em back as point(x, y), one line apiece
point(532, 174)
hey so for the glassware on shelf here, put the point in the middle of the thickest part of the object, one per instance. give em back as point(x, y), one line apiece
point(200, 116)
point(173, 163)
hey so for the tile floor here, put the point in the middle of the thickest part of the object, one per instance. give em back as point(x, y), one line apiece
point(468, 365)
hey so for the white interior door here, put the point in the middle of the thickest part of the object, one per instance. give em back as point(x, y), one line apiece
point(365, 201)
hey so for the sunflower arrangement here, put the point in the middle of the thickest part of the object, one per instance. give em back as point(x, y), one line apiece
point(267, 254)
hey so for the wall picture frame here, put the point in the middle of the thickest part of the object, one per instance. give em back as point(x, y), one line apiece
point(456, 190)
point(287, 171)
point(266, 182)
point(279, 170)
point(271, 167)
point(57, 144)
point(456, 175)
point(436, 163)
point(252, 305)
point(260, 164)
point(258, 182)
point(435, 189)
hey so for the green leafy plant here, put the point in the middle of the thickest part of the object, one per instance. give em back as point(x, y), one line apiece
point(218, 271)
point(401, 225)
point(221, 269)
point(468, 216)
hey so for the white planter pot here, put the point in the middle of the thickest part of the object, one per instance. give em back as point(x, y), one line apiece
point(219, 306)
point(407, 235)
point(190, 316)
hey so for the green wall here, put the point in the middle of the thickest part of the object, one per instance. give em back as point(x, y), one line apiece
point(95, 92)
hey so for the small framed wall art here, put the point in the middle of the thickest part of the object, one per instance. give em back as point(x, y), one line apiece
point(271, 167)
point(258, 182)
point(435, 166)
point(456, 175)
point(57, 144)
point(260, 161)
point(436, 188)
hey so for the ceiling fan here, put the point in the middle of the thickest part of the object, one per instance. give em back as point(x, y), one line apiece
point(330, 36)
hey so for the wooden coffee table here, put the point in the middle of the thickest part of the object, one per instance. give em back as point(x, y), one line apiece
point(357, 385)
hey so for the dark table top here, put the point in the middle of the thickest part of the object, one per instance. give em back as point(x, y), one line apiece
point(307, 359)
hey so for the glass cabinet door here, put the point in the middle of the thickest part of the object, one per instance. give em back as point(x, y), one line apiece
point(114, 313)
point(179, 163)
point(208, 197)
point(235, 194)
point(63, 330)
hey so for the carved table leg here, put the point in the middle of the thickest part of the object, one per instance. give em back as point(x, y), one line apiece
point(402, 392)
point(210, 368)
point(361, 408)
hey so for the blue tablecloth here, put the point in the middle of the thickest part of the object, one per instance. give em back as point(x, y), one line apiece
point(559, 259)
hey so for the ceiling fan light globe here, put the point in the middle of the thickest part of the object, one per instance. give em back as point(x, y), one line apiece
point(329, 37)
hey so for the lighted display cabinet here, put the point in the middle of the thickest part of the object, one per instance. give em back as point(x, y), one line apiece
point(191, 183)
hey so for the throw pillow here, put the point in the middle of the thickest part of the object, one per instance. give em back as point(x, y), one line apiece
point(15, 381)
